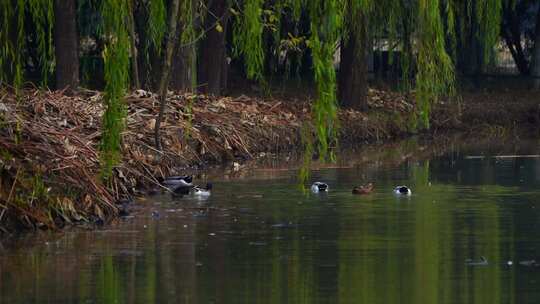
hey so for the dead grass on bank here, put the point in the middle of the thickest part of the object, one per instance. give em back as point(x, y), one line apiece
point(50, 141)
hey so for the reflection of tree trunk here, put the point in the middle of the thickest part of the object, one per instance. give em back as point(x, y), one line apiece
point(166, 68)
point(66, 40)
point(535, 67)
point(353, 67)
point(134, 63)
point(213, 49)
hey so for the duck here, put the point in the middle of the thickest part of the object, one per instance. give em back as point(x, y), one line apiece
point(201, 192)
point(177, 184)
point(180, 180)
point(364, 189)
point(319, 187)
point(402, 190)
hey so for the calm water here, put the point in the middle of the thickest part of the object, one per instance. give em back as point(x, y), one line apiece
point(258, 239)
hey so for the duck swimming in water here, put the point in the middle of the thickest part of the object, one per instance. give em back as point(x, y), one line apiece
point(364, 189)
point(402, 190)
point(181, 180)
point(319, 187)
point(177, 184)
point(199, 191)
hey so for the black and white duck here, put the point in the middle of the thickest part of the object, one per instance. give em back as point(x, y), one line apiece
point(202, 192)
point(319, 187)
point(180, 180)
point(402, 190)
point(178, 184)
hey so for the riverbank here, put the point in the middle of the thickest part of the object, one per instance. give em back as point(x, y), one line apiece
point(49, 161)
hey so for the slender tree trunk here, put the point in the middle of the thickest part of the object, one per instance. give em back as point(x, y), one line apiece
point(66, 44)
point(166, 68)
point(213, 48)
point(354, 66)
point(134, 52)
point(535, 66)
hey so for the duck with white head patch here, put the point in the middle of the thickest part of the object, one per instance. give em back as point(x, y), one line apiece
point(202, 192)
point(319, 187)
point(402, 190)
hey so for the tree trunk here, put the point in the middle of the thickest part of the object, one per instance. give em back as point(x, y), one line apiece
point(165, 70)
point(354, 66)
point(512, 36)
point(535, 66)
point(66, 44)
point(213, 49)
point(516, 50)
point(134, 52)
point(184, 69)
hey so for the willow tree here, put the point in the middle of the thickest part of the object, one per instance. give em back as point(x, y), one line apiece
point(153, 29)
point(13, 39)
point(426, 34)
point(7, 51)
point(435, 75)
point(116, 58)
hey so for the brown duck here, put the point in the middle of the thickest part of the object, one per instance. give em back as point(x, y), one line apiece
point(365, 189)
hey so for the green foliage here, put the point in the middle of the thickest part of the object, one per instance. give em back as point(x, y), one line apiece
point(489, 16)
point(18, 78)
point(423, 30)
point(296, 7)
point(435, 75)
point(307, 143)
point(89, 18)
point(7, 50)
point(450, 28)
point(248, 35)
point(188, 114)
point(116, 58)
point(326, 21)
point(40, 192)
point(187, 30)
point(13, 38)
point(42, 12)
point(157, 23)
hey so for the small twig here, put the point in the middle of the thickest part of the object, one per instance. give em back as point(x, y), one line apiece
point(13, 185)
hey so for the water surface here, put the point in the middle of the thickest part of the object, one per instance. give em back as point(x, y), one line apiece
point(261, 240)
